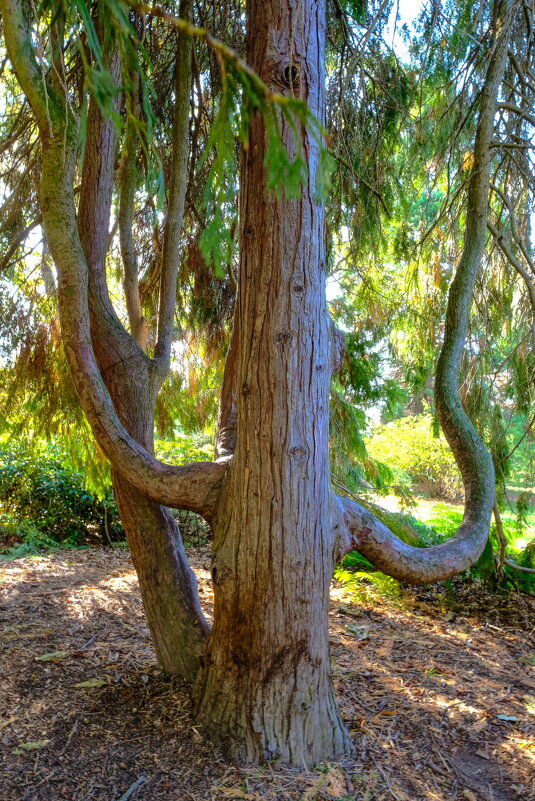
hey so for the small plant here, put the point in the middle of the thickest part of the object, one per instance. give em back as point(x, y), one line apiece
point(361, 578)
point(30, 540)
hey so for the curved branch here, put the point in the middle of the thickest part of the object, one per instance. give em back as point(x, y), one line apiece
point(39, 93)
point(360, 529)
point(193, 486)
point(363, 532)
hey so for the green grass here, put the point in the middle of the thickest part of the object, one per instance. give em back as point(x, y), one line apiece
point(444, 517)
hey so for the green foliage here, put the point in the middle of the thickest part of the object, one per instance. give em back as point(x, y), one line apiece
point(243, 96)
point(48, 501)
point(30, 540)
point(184, 449)
point(45, 500)
point(527, 557)
point(360, 577)
point(524, 506)
point(409, 448)
point(521, 447)
point(360, 385)
point(189, 402)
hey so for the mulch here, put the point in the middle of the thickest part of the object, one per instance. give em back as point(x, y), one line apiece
point(437, 689)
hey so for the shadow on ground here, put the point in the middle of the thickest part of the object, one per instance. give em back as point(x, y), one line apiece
point(440, 704)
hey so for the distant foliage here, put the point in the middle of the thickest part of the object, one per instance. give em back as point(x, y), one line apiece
point(184, 449)
point(408, 446)
point(44, 500)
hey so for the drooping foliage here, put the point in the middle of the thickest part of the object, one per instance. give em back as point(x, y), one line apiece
point(400, 125)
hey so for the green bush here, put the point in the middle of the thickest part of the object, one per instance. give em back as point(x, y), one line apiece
point(22, 538)
point(409, 447)
point(41, 494)
point(45, 500)
point(184, 449)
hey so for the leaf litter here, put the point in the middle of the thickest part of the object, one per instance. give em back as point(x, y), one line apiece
point(438, 697)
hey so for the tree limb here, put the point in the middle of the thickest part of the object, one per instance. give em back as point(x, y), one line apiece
point(193, 486)
point(361, 531)
point(523, 569)
point(177, 191)
point(128, 183)
point(514, 109)
point(358, 528)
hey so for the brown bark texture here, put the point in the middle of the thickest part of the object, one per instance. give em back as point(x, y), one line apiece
point(167, 583)
point(265, 690)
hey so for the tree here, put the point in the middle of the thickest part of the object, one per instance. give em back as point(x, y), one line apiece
point(261, 677)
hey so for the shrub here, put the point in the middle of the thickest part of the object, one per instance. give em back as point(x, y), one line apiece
point(40, 493)
point(45, 500)
point(185, 448)
point(409, 447)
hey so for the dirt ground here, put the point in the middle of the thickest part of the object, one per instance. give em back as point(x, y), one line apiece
point(439, 697)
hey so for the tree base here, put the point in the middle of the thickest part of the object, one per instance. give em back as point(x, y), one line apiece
point(291, 718)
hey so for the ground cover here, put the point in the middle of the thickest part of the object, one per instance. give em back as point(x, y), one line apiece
point(437, 687)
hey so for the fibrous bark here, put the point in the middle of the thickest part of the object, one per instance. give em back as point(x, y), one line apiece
point(265, 690)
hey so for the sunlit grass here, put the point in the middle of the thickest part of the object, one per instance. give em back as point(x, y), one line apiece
point(443, 516)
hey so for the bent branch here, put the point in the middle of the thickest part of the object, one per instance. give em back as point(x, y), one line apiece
point(193, 486)
point(360, 529)
point(363, 532)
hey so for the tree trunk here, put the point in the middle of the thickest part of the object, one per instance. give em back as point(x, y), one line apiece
point(167, 583)
point(264, 691)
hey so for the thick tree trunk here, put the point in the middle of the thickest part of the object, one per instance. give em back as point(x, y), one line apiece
point(265, 691)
